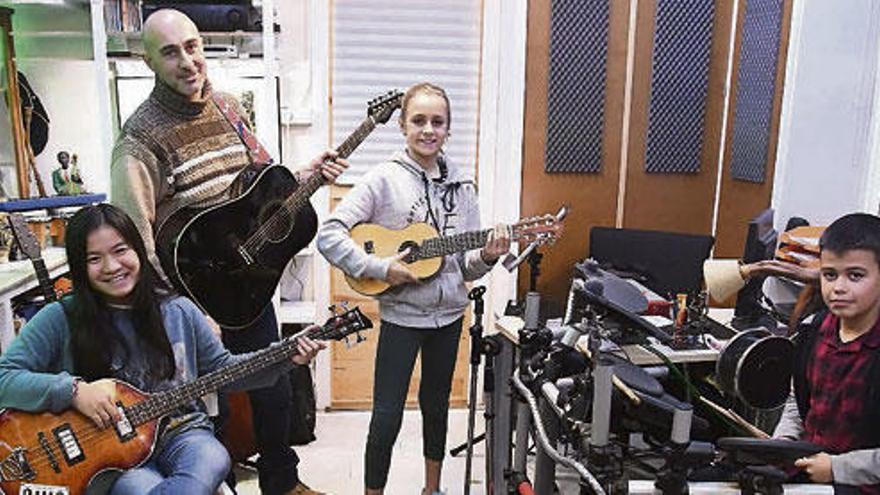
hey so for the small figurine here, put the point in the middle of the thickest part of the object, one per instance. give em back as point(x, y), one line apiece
point(67, 182)
point(6, 237)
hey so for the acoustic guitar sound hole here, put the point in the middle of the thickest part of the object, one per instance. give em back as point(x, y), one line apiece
point(277, 225)
point(413, 255)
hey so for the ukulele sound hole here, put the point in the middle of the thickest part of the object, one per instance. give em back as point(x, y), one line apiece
point(275, 222)
point(413, 255)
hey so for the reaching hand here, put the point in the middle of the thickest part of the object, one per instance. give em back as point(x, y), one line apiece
point(398, 273)
point(808, 275)
point(497, 244)
point(95, 401)
point(328, 163)
point(817, 466)
point(308, 349)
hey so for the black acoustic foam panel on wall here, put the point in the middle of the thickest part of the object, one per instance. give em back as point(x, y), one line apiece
point(755, 88)
point(679, 85)
point(576, 85)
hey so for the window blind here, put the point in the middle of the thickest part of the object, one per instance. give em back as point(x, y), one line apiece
point(382, 45)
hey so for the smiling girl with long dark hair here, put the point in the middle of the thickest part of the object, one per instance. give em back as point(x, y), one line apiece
point(120, 323)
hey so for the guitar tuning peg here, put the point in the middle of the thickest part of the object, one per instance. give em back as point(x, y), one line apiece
point(332, 309)
point(359, 338)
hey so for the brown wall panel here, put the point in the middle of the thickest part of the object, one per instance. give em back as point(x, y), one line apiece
point(674, 202)
point(592, 197)
point(740, 201)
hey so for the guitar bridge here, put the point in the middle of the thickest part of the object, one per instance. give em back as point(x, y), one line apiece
point(16, 467)
point(248, 259)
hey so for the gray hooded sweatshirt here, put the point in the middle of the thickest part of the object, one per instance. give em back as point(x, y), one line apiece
point(395, 194)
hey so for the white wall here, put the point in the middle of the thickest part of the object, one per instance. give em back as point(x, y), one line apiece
point(53, 49)
point(827, 163)
point(67, 89)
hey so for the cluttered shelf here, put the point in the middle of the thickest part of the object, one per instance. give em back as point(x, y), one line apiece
point(231, 44)
point(509, 326)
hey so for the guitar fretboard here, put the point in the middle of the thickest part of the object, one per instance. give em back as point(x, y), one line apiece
point(441, 246)
point(162, 403)
point(465, 241)
point(44, 279)
point(296, 201)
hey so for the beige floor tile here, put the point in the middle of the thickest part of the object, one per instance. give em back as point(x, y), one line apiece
point(334, 462)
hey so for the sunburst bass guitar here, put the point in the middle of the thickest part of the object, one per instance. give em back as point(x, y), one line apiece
point(427, 248)
point(45, 453)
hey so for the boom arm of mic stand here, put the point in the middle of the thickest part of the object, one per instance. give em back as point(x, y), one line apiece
point(510, 261)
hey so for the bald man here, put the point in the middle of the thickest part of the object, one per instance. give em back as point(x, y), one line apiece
point(178, 150)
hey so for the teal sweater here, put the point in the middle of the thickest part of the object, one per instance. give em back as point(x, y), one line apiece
point(37, 373)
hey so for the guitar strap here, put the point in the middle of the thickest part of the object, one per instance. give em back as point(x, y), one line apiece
point(260, 158)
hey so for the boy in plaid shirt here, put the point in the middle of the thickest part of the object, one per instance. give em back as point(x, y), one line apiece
point(836, 379)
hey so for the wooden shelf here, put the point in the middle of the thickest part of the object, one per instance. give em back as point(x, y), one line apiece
point(53, 3)
point(242, 44)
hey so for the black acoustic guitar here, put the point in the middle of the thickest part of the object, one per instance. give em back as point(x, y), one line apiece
point(230, 257)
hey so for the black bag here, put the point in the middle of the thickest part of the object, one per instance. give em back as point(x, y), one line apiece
point(39, 131)
point(302, 406)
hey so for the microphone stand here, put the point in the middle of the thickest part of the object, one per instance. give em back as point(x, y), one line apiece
point(476, 331)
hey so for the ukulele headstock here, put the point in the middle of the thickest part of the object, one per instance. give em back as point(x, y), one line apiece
point(544, 229)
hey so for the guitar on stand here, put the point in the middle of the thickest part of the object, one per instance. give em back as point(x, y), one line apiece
point(230, 257)
point(28, 244)
point(60, 453)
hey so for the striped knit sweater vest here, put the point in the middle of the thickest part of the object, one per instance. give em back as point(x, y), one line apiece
point(190, 146)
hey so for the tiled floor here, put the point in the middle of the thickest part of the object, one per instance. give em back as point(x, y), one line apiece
point(334, 462)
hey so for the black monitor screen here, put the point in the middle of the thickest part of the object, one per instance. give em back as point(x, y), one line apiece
point(760, 238)
point(666, 262)
point(760, 245)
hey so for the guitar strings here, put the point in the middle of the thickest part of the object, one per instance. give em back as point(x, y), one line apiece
point(294, 203)
point(302, 194)
point(41, 458)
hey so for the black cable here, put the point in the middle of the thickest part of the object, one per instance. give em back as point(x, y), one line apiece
point(690, 390)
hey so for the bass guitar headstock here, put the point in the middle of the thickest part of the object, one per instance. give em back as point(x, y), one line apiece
point(343, 324)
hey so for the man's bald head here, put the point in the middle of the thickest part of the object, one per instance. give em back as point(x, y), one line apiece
point(162, 21)
point(173, 51)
